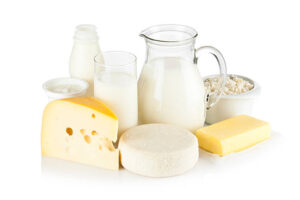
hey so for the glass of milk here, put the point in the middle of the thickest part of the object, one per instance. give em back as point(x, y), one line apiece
point(115, 84)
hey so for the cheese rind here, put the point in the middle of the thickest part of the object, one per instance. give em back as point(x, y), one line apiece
point(233, 135)
point(80, 129)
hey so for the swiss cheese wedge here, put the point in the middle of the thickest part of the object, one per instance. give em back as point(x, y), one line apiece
point(80, 129)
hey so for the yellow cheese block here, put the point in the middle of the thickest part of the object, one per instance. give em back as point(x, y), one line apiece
point(233, 135)
point(80, 129)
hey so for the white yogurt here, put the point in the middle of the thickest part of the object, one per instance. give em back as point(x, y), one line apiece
point(61, 88)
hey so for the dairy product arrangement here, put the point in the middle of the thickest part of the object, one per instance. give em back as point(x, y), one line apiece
point(103, 115)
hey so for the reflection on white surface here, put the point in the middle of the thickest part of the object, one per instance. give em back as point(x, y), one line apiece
point(208, 163)
point(72, 170)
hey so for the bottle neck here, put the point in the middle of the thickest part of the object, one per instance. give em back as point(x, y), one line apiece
point(86, 33)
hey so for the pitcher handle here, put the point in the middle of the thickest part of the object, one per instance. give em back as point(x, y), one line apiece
point(213, 97)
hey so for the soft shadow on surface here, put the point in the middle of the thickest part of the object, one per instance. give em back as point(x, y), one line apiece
point(211, 164)
point(52, 167)
point(207, 163)
point(72, 169)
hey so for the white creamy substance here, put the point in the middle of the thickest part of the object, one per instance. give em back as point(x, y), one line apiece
point(61, 88)
point(118, 91)
point(66, 89)
point(171, 90)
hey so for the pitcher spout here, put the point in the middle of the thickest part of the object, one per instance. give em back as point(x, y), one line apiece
point(142, 35)
point(169, 33)
point(146, 34)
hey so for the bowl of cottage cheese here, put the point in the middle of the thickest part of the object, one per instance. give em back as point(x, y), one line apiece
point(238, 97)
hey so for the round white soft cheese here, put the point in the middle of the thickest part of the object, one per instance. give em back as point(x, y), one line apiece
point(158, 150)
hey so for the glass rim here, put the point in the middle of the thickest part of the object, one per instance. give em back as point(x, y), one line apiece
point(170, 27)
point(104, 53)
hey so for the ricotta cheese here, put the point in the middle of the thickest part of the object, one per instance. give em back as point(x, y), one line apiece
point(233, 85)
point(158, 150)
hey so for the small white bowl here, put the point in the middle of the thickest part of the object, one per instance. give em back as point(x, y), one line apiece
point(61, 88)
point(233, 105)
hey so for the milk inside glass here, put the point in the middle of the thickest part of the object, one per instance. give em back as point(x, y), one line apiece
point(115, 85)
point(171, 90)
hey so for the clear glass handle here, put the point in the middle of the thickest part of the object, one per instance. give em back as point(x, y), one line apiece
point(213, 97)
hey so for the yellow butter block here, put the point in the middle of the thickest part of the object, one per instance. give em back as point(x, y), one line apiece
point(233, 135)
point(80, 129)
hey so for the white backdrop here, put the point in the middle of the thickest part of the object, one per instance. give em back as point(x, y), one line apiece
point(259, 39)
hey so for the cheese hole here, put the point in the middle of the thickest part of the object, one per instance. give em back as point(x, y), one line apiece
point(82, 131)
point(109, 146)
point(94, 133)
point(69, 131)
point(87, 139)
point(93, 116)
point(100, 147)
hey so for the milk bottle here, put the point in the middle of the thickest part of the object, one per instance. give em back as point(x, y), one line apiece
point(84, 50)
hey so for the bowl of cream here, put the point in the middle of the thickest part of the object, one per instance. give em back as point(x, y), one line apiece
point(61, 88)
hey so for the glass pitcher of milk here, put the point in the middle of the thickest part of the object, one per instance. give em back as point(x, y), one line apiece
point(84, 50)
point(170, 87)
